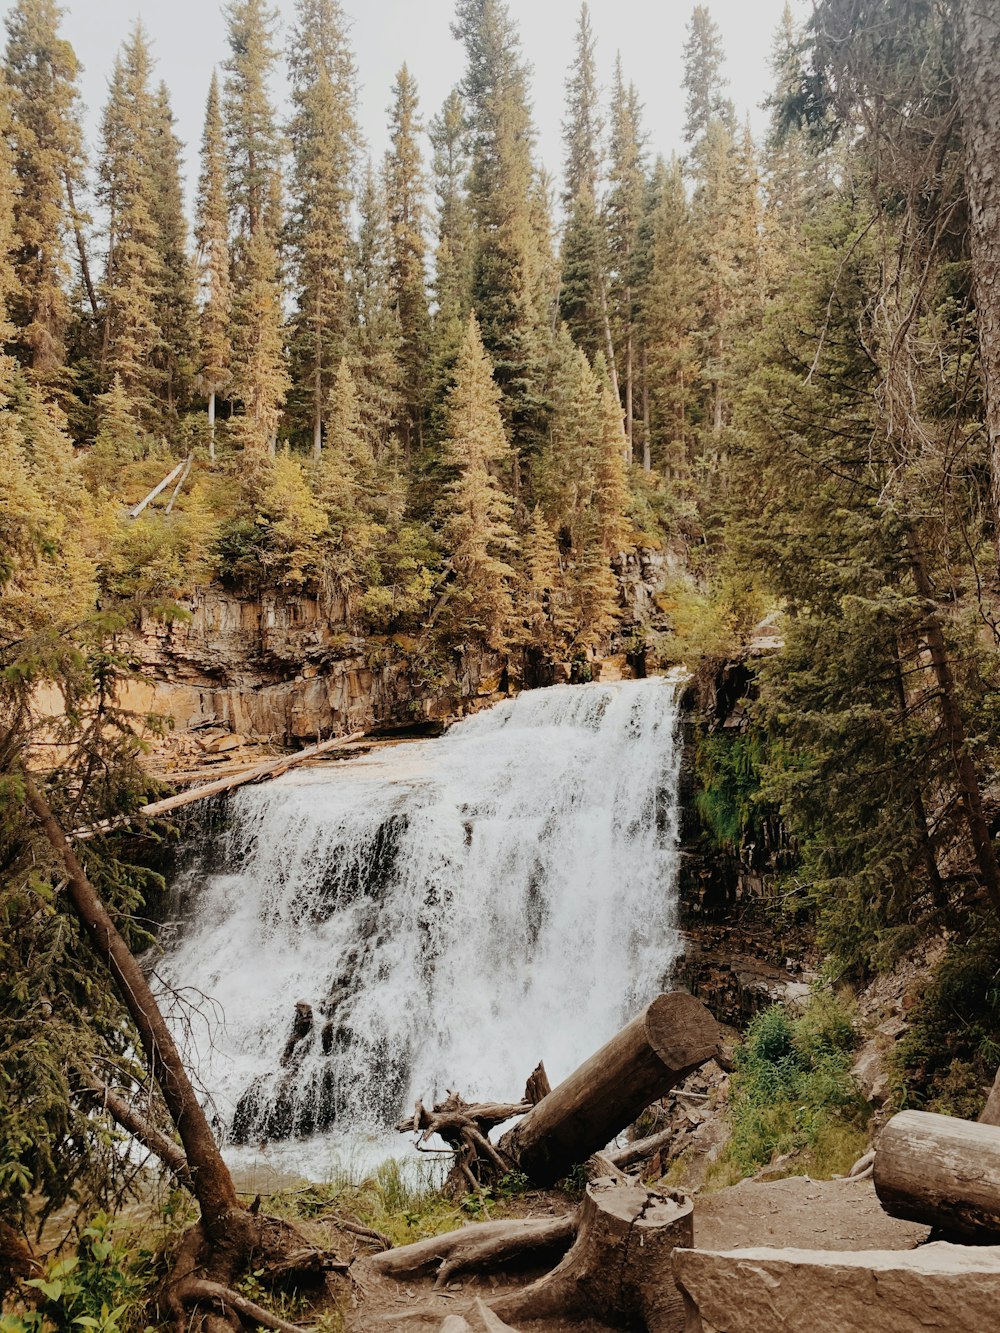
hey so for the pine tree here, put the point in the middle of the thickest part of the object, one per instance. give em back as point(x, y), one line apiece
point(452, 285)
point(667, 315)
point(563, 476)
point(324, 138)
point(374, 344)
point(704, 84)
point(475, 511)
point(405, 189)
point(623, 216)
point(583, 299)
point(212, 237)
point(175, 303)
point(508, 262)
point(260, 375)
point(42, 71)
point(611, 494)
point(134, 278)
point(543, 593)
point(8, 271)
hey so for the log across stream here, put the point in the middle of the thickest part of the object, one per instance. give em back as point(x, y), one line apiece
point(440, 908)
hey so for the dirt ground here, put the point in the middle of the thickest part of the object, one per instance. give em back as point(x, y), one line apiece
point(799, 1212)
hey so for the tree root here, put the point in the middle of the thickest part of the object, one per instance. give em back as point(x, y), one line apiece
point(465, 1126)
point(484, 1245)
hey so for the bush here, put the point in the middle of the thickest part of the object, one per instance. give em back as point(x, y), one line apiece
point(793, 1093)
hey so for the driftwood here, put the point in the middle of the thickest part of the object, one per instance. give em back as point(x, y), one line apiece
point(617, 1268)
point(942, 1171)
point(465, 1126)
point(671, 1037)
point(271, 768)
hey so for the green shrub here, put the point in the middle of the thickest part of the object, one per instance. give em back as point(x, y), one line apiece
point(103, 1288)
point(792, 1092)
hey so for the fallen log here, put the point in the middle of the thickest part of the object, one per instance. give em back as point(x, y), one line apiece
point(271, 768)
point(619, 1267)
point(641, 1149)
point(671, 1037)
point(475, 1248)
point(942, 1171)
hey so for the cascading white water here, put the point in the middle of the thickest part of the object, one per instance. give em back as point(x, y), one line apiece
point(453, 910)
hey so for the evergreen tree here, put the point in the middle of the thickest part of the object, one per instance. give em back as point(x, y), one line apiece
point(583, 299)
point(704, 84)
point(374, 346)
point(260, 376)
point(508, 262)
point(175, 303)
point(134, 277)
point(42, 71)
point(666, 300)
point(623, 216)
point(475, 511)
point(324, 139)
point(546, 615)
point(406, 208)
point(212, 237)
point(452, 286)
point(611, 494)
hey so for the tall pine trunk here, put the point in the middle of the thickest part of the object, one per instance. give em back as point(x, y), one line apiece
point(978, 25)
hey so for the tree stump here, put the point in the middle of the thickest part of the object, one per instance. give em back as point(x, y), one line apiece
point(942, 1171)
point(619, 1268)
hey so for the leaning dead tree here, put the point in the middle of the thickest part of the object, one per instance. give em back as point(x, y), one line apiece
point(564, 1126)
point(221, 1245)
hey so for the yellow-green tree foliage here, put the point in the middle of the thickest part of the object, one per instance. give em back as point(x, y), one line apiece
point(42, 70)
point(212, 237)
point(475, 511)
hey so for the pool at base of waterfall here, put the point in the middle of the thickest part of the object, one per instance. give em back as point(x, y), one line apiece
point(440, 914)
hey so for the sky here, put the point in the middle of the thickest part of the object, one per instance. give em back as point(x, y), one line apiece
point(188, 39)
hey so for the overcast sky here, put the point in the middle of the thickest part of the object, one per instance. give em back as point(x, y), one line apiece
point(188, 39)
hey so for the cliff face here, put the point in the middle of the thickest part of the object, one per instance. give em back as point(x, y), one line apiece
point(287, 667)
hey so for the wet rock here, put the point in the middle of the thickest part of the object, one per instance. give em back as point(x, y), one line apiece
point(939, 1288)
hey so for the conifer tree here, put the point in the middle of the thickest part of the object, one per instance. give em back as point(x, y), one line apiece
point(563, 475)
point(41, 69)
point(611, 494)
point(212, 237)
point(375, 340)
point(8, 271)
point(546, 615)
point(475, 511)
point(452, 285)
point(507, 263)
point(666, 300)
point(260, 376)
point(134, 278)
point(324, 139)
point(344, 482)
point(623, 216)
point(176, 298)
point(704, 84)
point(583, 299)
point(406, 208)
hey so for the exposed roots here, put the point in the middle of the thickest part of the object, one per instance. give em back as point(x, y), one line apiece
point(482, 1246)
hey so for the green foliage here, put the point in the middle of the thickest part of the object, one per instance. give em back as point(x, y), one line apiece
point(103, 1288)
point(792, 1092)
point(947, 1058)
point(728, 770)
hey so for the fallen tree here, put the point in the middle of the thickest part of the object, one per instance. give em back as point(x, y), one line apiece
point(564, 1126)
point(617, 1268)
point(942, 1171)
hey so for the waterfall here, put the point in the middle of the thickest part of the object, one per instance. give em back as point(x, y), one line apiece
point(452, 911)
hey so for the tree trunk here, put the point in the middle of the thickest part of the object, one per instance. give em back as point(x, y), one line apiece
point(224, 1219)
point(81, 247)
point(954, 730)
point(619, 1268)
point(211, 426)
point(942, 1171)
point(647, 445)
point(979, 59)
point(671, 1037)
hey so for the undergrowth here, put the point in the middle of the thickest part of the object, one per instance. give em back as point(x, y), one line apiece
point(792, 1093)
point(949, 1055)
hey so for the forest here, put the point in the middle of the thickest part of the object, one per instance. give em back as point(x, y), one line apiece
point(450, 393)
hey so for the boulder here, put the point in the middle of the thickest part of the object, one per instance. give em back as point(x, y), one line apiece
point(939, 1288)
